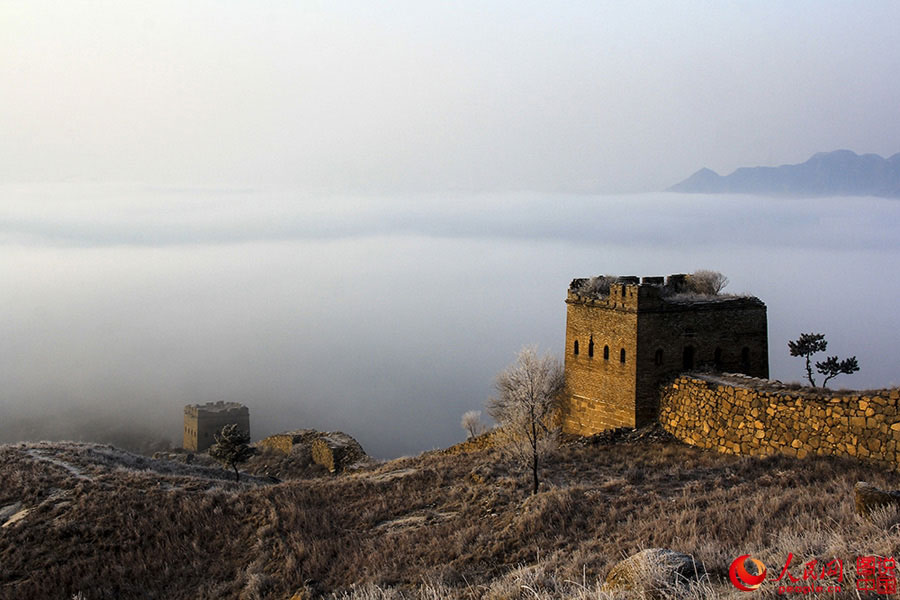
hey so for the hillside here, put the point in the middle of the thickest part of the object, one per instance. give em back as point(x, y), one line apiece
point(458, 524)
point(838, 173)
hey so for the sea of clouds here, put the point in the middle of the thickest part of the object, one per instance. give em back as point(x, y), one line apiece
point(385, 317)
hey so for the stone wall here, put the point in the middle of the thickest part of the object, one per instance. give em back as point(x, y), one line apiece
point(289, 441)
point(743, 415)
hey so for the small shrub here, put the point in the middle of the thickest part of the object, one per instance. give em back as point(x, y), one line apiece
point(707, 283)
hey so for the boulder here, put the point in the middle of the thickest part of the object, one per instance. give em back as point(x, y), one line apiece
point(12, 514)
point(867, 498)
point(655, 573)
point(6, 512)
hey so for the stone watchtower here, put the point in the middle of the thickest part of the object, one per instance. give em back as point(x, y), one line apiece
point(626, 336)
point(203, 421)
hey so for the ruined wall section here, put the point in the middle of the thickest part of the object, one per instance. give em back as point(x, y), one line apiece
point(756, 417)
point(600, 387)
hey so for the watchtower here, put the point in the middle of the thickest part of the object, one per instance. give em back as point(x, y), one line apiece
point(203, 421)
point(626, 337)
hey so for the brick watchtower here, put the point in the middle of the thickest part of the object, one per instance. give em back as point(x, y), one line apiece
point(625, 340)
point(203, 421)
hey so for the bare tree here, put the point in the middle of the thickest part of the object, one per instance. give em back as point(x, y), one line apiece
point(231, 448)
point(528, 396)
point(708, 283)
point(597, 286)
point(472, 423)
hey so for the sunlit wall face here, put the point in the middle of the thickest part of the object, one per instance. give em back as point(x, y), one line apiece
point(386, 317)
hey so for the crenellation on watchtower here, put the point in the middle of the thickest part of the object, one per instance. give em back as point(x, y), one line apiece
point(625, 336)
point(203, 421)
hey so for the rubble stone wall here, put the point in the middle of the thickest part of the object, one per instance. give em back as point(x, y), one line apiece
point(744, 415)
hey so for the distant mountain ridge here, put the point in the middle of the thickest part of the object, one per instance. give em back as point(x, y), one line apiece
point(838, 173)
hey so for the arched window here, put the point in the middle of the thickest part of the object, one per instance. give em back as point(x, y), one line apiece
point(745, 359)
point(657, 359)
point(717, 359)
point(576, 347)
point(591, 347)
point(687, 358)
point(622, 355)
point(605, 352)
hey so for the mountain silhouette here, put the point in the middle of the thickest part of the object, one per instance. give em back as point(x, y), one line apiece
point(838, 173)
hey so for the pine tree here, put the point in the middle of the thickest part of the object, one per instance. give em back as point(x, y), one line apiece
point(231, 448)
point(810, 343)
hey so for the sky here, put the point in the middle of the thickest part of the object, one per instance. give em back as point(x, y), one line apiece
point(420, 96)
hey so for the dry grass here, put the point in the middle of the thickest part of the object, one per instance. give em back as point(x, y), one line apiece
point(434, 526)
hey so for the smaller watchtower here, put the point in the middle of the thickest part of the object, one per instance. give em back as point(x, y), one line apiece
point(203, 421)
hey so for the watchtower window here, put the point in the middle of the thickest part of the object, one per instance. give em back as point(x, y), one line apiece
point(576, 347)
point(622, 355)
point(688, 358)
point(657, 359)
point(745, 358)
point(591, 347)
point(605, 352)
point(718, 358)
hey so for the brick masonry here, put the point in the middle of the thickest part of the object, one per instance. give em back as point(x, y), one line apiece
point(203, 421)
point(636, 338)
point(742, 415)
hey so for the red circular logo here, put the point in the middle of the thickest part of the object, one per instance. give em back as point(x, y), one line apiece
point(742, 578)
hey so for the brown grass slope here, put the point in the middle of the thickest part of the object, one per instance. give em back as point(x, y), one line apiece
point(437, 525)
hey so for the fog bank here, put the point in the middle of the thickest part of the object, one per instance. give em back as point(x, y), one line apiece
point(384, 317)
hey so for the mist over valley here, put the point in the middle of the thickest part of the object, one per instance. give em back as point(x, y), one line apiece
point(385, 317)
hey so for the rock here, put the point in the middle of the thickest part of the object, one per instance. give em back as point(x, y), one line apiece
point(867, 498)
point(8, 511)
point(12, 514)
point(655, 573)
point(336, 451)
